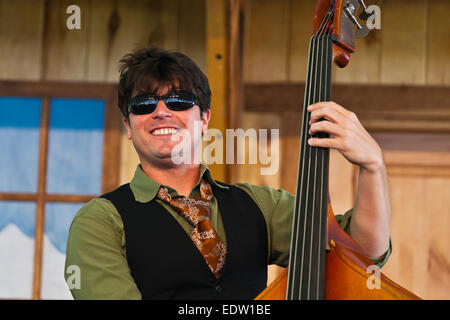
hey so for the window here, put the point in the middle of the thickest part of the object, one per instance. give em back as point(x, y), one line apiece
point(59, 147)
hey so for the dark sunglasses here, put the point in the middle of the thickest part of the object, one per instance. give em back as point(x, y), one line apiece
point(178, 100)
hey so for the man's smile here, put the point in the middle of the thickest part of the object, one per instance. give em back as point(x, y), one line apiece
point(164, 131)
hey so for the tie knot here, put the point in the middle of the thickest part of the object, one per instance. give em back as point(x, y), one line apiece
point(194, 210)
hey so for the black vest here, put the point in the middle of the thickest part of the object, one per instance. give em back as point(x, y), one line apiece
point(165, 263)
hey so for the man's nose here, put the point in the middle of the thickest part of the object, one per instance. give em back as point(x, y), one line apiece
point(161, 110)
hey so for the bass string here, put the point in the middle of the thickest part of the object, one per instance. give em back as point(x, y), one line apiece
point(316, 267)
point(316, 186)
point(322, 173)
point(309, 98)
point(292, 279)
point(312, 159)
point(294, 274)
point(316, 48)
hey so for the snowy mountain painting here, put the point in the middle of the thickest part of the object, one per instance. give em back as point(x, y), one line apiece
point(16, 263)
point(17, 249)
point(17, 223)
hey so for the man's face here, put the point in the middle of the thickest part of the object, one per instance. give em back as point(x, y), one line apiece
point(153, 134)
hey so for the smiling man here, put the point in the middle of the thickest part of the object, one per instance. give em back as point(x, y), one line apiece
point(174, 232)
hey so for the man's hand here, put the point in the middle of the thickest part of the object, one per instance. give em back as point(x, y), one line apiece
point(370, 221)
point(347, 135)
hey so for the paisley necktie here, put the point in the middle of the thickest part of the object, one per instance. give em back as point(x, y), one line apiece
point(197, 212)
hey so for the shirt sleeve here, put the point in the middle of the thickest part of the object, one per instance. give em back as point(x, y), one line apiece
point(95, 245)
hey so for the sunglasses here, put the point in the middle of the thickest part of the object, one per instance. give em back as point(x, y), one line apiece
point(178, 100)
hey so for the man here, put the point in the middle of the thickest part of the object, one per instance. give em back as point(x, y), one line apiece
point(176, 233)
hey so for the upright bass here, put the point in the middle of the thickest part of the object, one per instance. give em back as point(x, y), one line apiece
point(325, 263)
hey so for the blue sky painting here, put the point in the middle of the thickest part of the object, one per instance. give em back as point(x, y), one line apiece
point(75, 152)
point(19, 142)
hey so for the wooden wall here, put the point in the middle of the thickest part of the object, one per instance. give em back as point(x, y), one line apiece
point(412, 48)
point(36, 44)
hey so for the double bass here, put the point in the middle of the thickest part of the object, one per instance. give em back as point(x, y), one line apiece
point(325, 262)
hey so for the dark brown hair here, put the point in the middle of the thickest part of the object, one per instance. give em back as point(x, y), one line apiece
point(147, 69)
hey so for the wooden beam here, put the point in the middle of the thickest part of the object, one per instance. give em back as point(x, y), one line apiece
point(40, 205)
point(73, 198)
point(235, 89)
point(217, 71)
point(379, 107)
point(66, 89)
point(225, 38)
point(4, 196)
point(236, 44)
point(111, 144)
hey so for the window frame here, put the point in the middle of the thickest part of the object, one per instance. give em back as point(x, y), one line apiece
point(46, 90)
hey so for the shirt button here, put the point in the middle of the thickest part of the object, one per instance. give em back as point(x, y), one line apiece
point(218, 288)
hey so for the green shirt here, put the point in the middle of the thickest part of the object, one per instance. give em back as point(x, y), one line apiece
point(96, 242)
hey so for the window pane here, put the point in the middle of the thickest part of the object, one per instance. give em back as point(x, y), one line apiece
point(17, 223)
point(19, 143)
point(58, 217)
point(75, 146)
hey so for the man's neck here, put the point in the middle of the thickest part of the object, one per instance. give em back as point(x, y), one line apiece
point(181, 178)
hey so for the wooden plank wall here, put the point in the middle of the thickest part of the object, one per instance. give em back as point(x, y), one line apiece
point(109, 29)
point(37, 45)
point(412, 48)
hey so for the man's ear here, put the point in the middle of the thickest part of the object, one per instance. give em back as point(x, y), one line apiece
point(206, 116)
point(126, 122)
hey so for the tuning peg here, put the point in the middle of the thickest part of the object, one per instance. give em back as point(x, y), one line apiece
point(365, 14)
point(349, 10)
point(362, 31)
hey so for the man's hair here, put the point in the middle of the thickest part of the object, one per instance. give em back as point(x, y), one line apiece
point(147, 69)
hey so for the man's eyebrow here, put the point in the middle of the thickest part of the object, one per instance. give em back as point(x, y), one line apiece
point(139, 92)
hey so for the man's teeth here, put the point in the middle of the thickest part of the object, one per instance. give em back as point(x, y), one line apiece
point(164, 131)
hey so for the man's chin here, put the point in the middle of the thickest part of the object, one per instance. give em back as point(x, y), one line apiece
point(165, 160)
point(169, 162)
point(168, 159)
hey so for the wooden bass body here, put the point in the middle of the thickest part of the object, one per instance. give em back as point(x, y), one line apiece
point(346, 273)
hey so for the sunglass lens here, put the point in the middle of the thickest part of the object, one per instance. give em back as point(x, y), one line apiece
point(179, 104)
point(143, 106)
point(181, 100)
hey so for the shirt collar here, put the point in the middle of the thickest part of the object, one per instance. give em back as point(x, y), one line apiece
point(145, 188)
